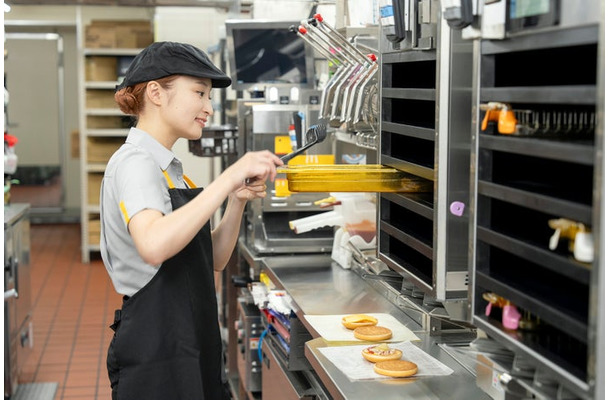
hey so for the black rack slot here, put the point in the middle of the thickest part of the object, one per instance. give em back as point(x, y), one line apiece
point(567, 181)
point(421, 74)
point(407, 258)
point(409, 149)
point(542, 67)
point(564, 123)
point(561, 301)
point(556, 346)
point(570, 150)
point(419, 113)
point(421, 203)
point(407, 221)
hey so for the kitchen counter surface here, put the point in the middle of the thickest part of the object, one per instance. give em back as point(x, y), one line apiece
point(14, 211)
point(318, 286)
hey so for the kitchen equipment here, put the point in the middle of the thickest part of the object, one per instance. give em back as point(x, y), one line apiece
point(350, 94)
point(18, 334)
point(279, 383)
point(287, 337)
point(266, 230)
point(249, 329)
point(314, 135)
point(352, 178)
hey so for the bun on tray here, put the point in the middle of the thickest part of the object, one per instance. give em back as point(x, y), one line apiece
point(396, 368)
point(372, 333)
point(353, 321)
point(381, 352)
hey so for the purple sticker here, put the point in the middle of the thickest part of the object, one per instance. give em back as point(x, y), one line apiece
point(457, 208)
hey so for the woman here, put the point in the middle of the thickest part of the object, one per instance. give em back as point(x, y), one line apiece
point(156, 241)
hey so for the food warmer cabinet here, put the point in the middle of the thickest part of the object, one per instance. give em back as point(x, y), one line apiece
point(532, 178)
point(425, 130)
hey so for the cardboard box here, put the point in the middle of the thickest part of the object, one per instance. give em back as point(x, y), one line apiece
point(124, 34)
point(100, 149)
point(133, 37)
point(101, 122)
point(99, 37)
point(100, 68)
point(100, 98)
point(75, 144)
point(94, 183)
point(94, 229)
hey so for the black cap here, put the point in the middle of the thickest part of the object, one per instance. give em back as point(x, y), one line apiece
point(162, 59)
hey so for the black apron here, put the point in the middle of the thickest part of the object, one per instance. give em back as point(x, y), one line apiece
point(167, 341)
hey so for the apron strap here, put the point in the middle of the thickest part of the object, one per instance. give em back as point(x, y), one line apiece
point(171, 185)
point(189, 182)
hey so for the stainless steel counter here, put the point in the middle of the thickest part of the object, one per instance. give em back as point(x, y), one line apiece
point(12, 212)
point(317, 286)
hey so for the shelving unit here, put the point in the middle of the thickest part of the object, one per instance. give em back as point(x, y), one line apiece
point(520, 183)
point(103, 128)
point(424, 133)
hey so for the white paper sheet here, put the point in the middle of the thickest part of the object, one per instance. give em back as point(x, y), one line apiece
point(350, 361)
point(331, 328)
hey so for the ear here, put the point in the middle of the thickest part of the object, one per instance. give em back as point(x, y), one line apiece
point(154, 92)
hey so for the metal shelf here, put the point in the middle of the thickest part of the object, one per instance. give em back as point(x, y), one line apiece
point(113, 52)
point(412, 168)
point(569, 151)
point(540, 202)
point(421, 246)
point(408, 130)
point(527, 295)
point(420, 203)
point(408, 56)
point(95, 167)
point(533, 351)
point(411, 94)
point(104, 112)
point(110, 85)
point(568, 267)
point(569, 94)
point(576, 36)
point(107, 132)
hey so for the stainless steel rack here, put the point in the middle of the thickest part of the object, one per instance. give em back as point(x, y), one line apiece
point(425, 94)
point(522, 182)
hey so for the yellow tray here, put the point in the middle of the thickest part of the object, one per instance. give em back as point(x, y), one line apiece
point(352, 178)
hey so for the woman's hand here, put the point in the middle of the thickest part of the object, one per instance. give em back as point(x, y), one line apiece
point(256, 167)
point(252, 190)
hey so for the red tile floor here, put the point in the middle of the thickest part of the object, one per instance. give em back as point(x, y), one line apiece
point(73, 305)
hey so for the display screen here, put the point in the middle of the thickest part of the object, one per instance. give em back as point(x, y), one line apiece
point(529, 14)
point(268, 53)
point(529, 8)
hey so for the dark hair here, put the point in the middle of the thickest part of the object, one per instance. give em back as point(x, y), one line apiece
point(131, 99)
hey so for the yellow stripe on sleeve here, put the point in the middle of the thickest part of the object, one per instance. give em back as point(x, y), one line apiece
point(124, 212)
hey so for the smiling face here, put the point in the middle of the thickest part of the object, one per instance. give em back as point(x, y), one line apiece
point(188, 106)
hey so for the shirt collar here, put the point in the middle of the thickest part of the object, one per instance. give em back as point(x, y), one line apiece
point(160, 154)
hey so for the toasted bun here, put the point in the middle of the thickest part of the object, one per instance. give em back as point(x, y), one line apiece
point(396, 368)
point(355, 320)
point(372, 333)
point(381, 352)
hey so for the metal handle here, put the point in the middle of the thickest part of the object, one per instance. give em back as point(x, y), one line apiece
point(11, 266)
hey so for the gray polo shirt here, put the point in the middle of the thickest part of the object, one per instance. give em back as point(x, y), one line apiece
point(133, 181)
